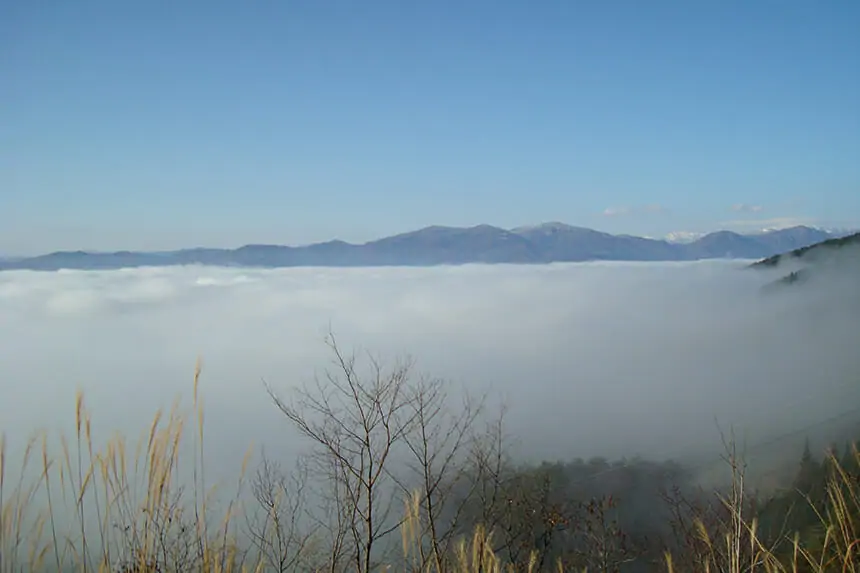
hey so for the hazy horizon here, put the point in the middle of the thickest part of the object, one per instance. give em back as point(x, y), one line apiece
point(672, 237)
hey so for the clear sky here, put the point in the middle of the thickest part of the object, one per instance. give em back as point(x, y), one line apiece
point(159, 124)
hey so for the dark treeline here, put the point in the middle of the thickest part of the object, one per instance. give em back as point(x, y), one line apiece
point(625, 515)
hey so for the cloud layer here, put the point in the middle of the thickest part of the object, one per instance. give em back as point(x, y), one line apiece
point(746, 208)
point(593, 359)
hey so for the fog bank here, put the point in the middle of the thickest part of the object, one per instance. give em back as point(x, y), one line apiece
point(607, 359)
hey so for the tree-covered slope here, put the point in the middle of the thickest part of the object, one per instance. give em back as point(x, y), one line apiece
point(814, 252)
point(839, 255)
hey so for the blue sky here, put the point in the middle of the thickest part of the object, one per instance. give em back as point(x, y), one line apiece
point(149, 125)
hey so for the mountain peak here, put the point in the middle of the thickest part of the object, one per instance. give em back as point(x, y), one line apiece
point(682, 237)
point(549, 225)
point(555, 228)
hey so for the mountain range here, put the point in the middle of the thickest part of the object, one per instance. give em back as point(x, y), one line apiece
point(545, 243)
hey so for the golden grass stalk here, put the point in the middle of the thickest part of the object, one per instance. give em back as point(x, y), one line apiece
point(112, 515)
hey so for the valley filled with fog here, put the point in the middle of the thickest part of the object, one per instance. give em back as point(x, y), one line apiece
point(593, 359)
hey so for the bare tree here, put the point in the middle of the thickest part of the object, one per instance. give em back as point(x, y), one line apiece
point(386, 441)
point(356, 423)
point(439, 441)
point(281, 531)
point(605, 546)
point(334, 516)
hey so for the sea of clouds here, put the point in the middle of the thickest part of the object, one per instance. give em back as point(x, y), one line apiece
point(610, 359)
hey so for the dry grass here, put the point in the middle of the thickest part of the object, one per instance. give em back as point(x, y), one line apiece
point(121, 509)
point(740, 550)
point(116, 509)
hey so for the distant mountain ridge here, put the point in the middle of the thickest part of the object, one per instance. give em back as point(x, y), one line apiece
point(438, 245)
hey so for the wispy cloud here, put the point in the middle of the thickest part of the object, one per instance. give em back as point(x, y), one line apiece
point(747, 208)
point(634, 210)
point(770, 223)
point(616, 211)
